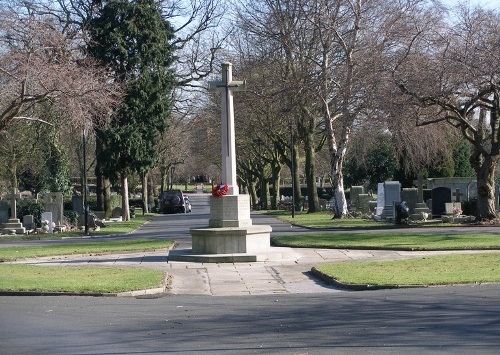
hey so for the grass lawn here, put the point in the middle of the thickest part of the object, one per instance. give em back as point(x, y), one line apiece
point(435, 270)
point(324, 220)
point(391, 241)
point(362, 234)
point(24, 252)
point(20, 277)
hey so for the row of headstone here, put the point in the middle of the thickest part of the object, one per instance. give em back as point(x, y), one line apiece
point(390, 193)
point(54, 213)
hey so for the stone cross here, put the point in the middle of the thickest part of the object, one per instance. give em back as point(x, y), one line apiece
point(457, 195)
point(13, 196)
point(227, 86)
point(420, 186)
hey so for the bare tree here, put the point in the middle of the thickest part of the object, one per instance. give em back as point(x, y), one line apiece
point(451, 74)
point(38, 64)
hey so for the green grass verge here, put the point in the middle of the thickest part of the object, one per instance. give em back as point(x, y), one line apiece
point(24, 252)
point(19, 277)
point(436, 270)
point(391, 241)
point(324, 220)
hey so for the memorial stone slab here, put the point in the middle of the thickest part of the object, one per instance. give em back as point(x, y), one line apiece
point(392, 196)
point(54, 204)
point(380, 198)
point(411, 197)
point(29, 222)
point(355, 192)
point(77, 203)
point(4, 212)
point(440, 196)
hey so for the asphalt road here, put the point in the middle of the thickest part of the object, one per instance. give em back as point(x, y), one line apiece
point(444, 320)
point(438, 320)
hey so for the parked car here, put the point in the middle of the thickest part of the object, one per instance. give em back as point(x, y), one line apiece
point(187, 203)
point(173, 201)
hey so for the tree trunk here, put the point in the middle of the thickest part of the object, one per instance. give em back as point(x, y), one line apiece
point(163, 177)
point(99, 189)
point(486, 209)
point(100, 179)
point(296, 176)
point(152, 191)
point(276, 173)
point(312, 191)
point(108, 210)
point(265, 195)
point(144, 181)
point(125, 204)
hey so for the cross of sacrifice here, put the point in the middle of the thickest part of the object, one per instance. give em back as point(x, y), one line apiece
point(227, 86)
point(13, 196)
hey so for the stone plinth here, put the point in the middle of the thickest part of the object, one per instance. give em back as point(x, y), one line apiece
point(14, 224)
point(230, 211)
point(230, 235)
point(251, 239)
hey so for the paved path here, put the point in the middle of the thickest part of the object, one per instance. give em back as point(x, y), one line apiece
point(286, 276)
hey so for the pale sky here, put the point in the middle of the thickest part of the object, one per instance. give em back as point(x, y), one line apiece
point(486, 3)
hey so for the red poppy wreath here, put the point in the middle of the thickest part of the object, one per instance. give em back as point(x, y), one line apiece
point(219, 190)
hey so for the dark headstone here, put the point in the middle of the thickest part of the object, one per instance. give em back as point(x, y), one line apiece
point(440, 196)
point(29, 222)
point(77, 202)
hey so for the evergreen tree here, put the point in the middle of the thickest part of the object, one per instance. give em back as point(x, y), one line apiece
point(132, 38)
point(461, 157)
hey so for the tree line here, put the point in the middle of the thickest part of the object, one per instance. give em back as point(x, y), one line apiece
point(336, 79)
point(352, 75)
point(102, 74)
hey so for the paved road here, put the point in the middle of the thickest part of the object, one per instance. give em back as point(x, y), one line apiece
point(447, 320)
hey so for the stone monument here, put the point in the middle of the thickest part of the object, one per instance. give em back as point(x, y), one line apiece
point(14, 225)
point(230, 235)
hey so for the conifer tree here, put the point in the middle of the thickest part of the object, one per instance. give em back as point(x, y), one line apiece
point(132, 38)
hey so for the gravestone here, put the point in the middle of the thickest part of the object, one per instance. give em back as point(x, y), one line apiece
point(355, 192)
point(4, 212)
point(380, 199)
point(392, 196)
point(364, 203)
point(458, 195)
point(472, 190)
point(77, 203)
point(449, 206)
point(47, 217)
point(54, 204)
point(440, 196)
point(411, 197)
point(14, 225)
point(29, 222)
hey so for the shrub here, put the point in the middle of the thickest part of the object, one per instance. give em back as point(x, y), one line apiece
point(71, 217)
point(33, 207)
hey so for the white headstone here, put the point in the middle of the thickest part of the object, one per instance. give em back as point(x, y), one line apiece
point(380, 198)
point(54, 203)
point(392, 196)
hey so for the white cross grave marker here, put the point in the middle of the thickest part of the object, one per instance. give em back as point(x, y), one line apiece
point(227, 86)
